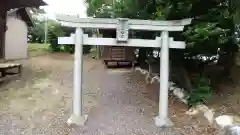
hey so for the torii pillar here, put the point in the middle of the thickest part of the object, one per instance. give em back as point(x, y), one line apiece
point(162, 118)
point(77, 116)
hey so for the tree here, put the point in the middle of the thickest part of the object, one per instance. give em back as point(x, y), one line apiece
point(36, 33)
point(212, 27)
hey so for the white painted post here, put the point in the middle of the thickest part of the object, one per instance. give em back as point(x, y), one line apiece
point(77, 116)
point(162, 119)
point(77, 103)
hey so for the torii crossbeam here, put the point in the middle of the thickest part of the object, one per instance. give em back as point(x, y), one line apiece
point(122, 26)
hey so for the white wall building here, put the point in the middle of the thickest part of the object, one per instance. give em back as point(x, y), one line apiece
point(16, 38)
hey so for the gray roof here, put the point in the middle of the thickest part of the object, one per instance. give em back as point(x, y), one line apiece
point(11, 4)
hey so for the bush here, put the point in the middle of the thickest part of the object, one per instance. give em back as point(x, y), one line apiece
point(87, 49)
point(69, 48)
point(54, 46)
point(201, 91)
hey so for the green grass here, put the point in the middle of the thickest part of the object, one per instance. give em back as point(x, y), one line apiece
point(37, 46)
point(36, 49)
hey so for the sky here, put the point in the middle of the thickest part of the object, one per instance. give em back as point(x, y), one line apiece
point(68, 7)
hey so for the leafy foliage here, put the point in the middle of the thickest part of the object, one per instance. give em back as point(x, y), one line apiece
point(36, 33)
point(206, 37)
point(55, 31)
point(201, 92)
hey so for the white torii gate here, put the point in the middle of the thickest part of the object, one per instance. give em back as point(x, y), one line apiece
point(122, 26)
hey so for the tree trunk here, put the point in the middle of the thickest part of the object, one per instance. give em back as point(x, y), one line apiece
point(181, 77)
point(142, 57)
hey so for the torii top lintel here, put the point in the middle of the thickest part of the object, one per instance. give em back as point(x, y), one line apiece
point(134, 24)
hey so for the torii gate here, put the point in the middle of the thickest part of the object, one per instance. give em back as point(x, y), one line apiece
point(122, 26)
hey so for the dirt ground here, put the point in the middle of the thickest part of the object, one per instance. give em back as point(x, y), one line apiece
point(118, 103)
point(40, 101)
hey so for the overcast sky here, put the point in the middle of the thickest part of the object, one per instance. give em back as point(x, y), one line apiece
point(70, 7)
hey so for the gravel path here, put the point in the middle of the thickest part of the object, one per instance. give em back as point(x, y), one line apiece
point(123, 108)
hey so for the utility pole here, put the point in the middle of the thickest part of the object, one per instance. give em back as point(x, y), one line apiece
point(46, 28)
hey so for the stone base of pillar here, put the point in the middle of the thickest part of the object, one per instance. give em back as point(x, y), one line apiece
point(76, 120)
point(159, 122)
